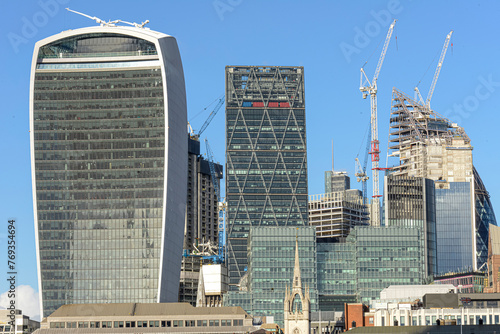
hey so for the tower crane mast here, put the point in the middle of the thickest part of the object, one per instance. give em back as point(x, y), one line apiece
point(360, 171)
point(367, 87)
point(438, 70)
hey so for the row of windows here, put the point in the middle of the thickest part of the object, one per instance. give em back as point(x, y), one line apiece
point(151, 323)
point(100, 135)
point(85, 105)
point(129, 173)
point(68, 118)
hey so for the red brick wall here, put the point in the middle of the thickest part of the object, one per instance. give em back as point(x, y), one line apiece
point(367, 320)
point(353, 312)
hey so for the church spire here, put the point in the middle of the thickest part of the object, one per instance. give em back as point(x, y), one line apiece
point(297, 281)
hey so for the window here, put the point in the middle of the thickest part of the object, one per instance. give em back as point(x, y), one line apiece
point(142, 324)
point(190, 323)
point(370, 320)
point(71, 325)
point(225, 322)
point(427, 320)
point(413, 321)
point(497, 319)
point(118, 324)
point(402, 321)
point(95, 324)
point(57, 325)
point(129, 323)
point(434, 319)
point(84, 324)
point(238, 322)
point(106, 324)
point(166, 323)
point(471, 320)
point(178, 323)
point(459, 319)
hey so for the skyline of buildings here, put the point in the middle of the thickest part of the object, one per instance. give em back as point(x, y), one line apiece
point(109, 155)
point(254, 151)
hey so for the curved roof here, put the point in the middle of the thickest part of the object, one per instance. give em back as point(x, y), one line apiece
point(144, 33)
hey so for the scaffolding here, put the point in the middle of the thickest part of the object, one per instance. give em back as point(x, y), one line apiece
point(422, 139)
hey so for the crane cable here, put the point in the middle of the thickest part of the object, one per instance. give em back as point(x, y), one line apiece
point(204, 109)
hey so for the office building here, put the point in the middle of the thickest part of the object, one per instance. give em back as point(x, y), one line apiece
point(202, 213)
point(271, 268)
point(370, 259)
point(465, 282)
point(147, 318)
point(336, 181)
point(335, 214)
point(431, 146)
point(337, 275)
point(109, 159)
point(410, 202)
point(493, 272)
point(18, 324)
point(266, 167)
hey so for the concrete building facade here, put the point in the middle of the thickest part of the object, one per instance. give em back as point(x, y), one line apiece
point(109, 158)
point(147, 318)
point(335, 214)
point(493, 273)
point(14, 321)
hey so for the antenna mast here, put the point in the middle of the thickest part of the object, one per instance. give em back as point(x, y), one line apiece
point(109, 23)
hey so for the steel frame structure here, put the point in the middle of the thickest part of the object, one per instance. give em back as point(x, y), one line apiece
point(266, 183)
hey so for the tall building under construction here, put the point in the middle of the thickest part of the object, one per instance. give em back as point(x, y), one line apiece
point(201, 229)
point(266, 171)
point(431, 146)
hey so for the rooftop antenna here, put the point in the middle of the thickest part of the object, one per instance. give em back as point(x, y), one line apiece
point(98, 20)
point(137, 25)
point(109, 23)
point(332, 157)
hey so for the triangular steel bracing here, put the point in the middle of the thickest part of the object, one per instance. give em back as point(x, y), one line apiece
point(266, 176)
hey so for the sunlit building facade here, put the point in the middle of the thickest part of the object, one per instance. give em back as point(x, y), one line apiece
point(109, 166)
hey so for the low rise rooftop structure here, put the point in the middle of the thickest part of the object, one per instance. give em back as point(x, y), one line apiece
point(147, 317)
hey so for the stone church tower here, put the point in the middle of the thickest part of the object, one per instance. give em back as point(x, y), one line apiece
point(297, 303)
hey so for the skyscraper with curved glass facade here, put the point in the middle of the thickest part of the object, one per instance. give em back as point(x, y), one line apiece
point(109, 165)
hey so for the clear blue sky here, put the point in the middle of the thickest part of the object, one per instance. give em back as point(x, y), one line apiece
point(215, 33)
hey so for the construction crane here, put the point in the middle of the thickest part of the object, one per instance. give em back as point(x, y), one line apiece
point(427, 102)
point(360, 172)
point(196, 136)
point(371, 88)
